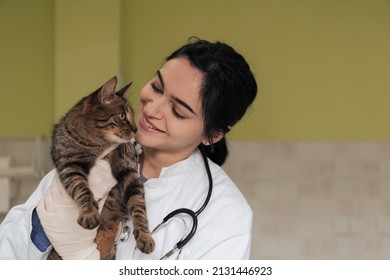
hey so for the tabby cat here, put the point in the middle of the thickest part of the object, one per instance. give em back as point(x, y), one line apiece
point(101, 125)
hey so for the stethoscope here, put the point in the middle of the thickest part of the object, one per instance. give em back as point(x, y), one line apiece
point(124, 233)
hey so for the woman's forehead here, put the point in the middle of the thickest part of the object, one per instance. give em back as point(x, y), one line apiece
point(182, 80)
point(181, 69)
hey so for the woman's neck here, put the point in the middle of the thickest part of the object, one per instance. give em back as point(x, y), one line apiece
point(152, 161)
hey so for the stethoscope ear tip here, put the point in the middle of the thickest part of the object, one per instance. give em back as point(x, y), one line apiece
point(157, 227)
point(170, 253)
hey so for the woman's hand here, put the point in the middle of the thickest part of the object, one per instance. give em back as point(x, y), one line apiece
point(58, 213)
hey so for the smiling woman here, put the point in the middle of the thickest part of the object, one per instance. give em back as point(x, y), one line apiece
point(170, 115)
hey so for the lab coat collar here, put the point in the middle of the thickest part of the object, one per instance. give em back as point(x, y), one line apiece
point(185, 166)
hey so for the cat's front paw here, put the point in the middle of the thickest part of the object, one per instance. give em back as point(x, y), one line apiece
point(89, 219)
point(145, 242)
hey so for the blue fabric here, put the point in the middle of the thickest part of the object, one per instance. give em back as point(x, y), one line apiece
point(38, 235)
point(143, 178)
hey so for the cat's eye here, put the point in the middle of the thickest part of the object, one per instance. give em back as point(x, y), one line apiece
point(122, 116)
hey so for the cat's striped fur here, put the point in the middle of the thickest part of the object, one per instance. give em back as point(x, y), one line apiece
point(101, 123)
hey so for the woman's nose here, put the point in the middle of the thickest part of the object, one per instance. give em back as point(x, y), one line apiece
point(155, 108)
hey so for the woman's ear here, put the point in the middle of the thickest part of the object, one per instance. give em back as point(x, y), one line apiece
point(217, 136)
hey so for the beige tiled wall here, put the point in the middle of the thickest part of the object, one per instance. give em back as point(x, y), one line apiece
point(311, 200)
point(315, 200)
point(30, 156)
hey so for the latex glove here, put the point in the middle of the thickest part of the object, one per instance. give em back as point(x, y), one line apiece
point(58, 214)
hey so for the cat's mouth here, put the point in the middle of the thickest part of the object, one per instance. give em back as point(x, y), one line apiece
point(122, 138)
point(147, 126)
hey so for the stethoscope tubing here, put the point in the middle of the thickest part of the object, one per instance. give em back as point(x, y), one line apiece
point(191, 213)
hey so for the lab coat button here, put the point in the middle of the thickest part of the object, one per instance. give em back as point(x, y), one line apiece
point(152, 183)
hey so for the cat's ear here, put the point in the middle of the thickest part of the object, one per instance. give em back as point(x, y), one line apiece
point(106, 92)
point(123, 92)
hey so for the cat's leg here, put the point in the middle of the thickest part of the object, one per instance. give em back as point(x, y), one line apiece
point(113, 212)
point(75, 182)
point(134, 191)
point(123, 161)
point(105, 241)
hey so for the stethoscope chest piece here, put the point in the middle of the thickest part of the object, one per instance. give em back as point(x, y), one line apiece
point(123, 233)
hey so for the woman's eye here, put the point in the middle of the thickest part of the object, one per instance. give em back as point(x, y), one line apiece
point(122, 116)
point(156, 89)
point(176, 114)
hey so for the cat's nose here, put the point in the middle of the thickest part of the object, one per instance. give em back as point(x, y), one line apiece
point(135, 129)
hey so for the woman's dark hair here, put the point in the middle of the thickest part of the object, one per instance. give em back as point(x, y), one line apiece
point(228, 89)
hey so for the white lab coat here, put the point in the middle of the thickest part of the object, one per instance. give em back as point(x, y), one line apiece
point(224, 227)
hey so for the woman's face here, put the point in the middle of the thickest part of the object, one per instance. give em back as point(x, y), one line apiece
point(170, 116)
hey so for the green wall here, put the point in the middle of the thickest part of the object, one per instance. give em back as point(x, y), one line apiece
point(322, 66)
point(26, 67)
point(87, 49)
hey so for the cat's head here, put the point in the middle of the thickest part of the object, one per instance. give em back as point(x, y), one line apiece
point(111, 113)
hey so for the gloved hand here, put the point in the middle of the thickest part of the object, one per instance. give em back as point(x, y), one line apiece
point(58, 214)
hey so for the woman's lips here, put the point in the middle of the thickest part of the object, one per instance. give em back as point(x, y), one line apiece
point(147, 126)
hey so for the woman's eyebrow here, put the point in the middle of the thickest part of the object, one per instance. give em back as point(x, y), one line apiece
point(182, 103)
point(160, 78)
point(178, 100)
